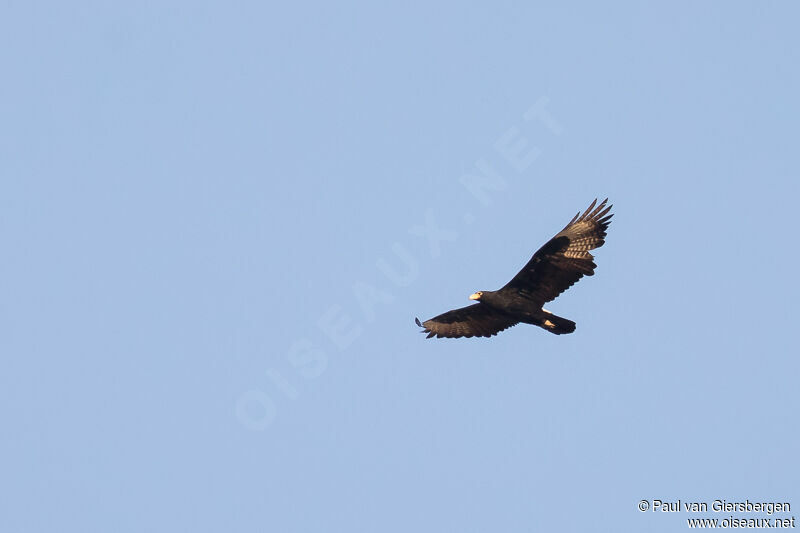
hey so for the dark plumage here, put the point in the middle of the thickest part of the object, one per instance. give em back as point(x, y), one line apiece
point(554, 268)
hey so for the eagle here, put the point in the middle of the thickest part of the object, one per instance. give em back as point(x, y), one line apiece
point(554, 268)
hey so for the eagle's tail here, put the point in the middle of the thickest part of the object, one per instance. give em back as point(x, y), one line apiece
point(558, 325)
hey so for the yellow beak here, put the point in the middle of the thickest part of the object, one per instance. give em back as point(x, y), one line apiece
point(476, 296)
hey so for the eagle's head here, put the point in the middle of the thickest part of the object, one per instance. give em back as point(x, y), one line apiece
point(476, 296)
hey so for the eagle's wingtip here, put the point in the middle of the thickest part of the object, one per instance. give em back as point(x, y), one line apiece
point(417, 321)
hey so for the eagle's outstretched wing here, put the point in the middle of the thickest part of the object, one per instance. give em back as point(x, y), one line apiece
point(565, 258)
point(476, 320)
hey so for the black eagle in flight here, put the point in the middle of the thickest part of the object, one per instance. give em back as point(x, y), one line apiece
point(554, 268)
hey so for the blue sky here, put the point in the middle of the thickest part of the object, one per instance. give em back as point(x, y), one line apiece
point(218, 222)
